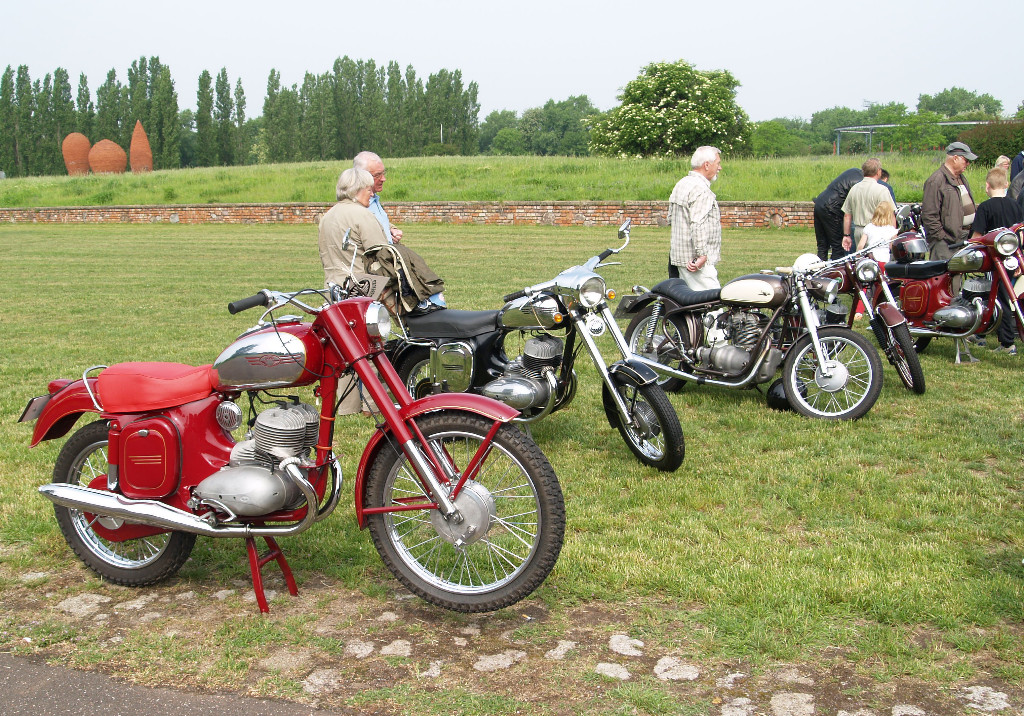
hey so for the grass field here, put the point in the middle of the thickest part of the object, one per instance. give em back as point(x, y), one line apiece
point(896, 539)
point(474, 179)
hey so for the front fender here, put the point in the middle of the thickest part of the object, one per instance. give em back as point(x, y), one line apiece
point(890, 314)
point(63, 410)
point(464, 402)
point(635, 371)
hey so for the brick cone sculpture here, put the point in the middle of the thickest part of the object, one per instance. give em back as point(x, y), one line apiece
point(107, 158)
point(75, 149)
point(140, 151)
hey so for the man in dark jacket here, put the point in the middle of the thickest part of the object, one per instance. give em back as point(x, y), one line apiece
point(828, 214)
point(947, 208)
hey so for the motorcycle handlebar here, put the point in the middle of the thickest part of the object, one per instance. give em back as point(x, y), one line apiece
point(513, 296)
point(244, 304)
point(605, 254)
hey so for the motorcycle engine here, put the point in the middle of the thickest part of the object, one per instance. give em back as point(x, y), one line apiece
point(525, 384)
point(741, 330)
point(252, 483)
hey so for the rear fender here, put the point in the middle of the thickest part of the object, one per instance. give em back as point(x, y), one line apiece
point(628, 305)
point(63, 410)
point(464, 402)
point(890, 314)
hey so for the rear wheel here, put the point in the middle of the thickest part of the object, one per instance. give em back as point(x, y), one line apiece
point(921, 344)
point(414, 370)
point(655, 437)
point(659, 339)
point(513, 518)
point(853, 382)
point(134, 562)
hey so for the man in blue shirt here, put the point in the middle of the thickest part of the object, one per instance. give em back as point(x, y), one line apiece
point(375, 165)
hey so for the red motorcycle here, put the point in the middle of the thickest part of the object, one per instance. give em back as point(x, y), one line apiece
point(860, 277)
point(464, 509)
point(960, 297)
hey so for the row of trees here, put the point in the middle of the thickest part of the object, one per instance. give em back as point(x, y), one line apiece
point(669, 109)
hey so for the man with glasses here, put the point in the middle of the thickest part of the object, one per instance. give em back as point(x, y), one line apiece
point(947, 209)
point(375, 165)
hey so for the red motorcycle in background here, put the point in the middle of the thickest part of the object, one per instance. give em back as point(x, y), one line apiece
point(464, 509)
point(957, 298)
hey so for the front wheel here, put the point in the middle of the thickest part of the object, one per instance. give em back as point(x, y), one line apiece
point(659, 339)
point(852, 383)
point(655, 437)
point(513, 517)
point(133, 562)
point(898, 345)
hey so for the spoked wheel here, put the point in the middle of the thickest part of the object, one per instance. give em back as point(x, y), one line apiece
point(898, 346)
point(655, 438)
point(658, 339)
point(134, 562)
point(414, 370)
point(513, 518)
point(853, 382)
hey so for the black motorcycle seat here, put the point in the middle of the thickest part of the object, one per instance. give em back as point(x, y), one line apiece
point(678, 291)
point(452, 323)
point(916, 269)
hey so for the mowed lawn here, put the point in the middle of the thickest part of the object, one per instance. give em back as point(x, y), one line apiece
point(897, 538)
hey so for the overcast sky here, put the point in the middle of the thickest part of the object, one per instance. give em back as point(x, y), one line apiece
point(791, 58)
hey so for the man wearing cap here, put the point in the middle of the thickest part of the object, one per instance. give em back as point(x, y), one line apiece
point(947, 209)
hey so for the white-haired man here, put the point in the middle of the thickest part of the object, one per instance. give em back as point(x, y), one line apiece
point(696, 223)
point(375, 165)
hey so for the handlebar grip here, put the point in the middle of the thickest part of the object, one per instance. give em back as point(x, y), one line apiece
point(605, 254)
point(244, 304)
point(514, 296)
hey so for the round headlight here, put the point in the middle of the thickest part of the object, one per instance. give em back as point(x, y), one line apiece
point(592, 291)
point(378, 321)
point(1006, 243)
point(867, 270)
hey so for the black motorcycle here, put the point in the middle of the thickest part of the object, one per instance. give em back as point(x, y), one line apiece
point(739, 335)
point(524, 354)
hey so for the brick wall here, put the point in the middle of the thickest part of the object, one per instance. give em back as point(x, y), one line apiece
point(556, 213)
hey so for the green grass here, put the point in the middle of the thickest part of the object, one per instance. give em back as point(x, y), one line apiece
point(473, 179)
point(779, 536)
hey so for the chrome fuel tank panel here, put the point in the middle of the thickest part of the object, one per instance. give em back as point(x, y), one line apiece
point(260, 360)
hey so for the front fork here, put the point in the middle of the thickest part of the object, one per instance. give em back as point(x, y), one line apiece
point(608, 318)
point(811, 321)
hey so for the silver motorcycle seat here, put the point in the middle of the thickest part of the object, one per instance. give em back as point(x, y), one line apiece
point(451, 323)
point(678, 291)
point(916, 269)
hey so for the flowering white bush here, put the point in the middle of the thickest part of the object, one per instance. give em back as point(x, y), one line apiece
point(671, 109)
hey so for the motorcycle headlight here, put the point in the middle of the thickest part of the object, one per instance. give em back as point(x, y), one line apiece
point(867, 270)
point(592, 291)
point(378, 321)
point(1007, 243)
point(1011, 264)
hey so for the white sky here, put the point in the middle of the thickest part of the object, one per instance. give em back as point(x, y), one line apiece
point(791, 58)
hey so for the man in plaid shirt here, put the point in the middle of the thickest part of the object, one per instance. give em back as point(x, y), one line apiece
point(696, 223)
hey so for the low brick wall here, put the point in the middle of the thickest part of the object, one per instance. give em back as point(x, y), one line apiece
point(555, 213)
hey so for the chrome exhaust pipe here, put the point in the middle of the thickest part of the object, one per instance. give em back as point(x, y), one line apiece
point(158, 514)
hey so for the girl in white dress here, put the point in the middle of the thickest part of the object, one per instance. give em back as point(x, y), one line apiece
point(878, 233)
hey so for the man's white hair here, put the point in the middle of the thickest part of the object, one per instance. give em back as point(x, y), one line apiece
point(364, 159)
point(704, 154)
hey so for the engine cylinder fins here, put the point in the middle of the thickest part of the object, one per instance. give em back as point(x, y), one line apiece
point(542, 352)
point(280, 432)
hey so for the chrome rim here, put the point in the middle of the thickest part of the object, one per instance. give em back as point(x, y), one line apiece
point(470, 558)
point(646, 433)
point(130, 554)
point(833, 396)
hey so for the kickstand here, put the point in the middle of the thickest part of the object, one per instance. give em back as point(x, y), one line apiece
point(256, 564)
point(966, 350)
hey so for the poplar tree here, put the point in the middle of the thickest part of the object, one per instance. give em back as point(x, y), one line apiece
point(223, 112)
point(206, 144)
point(85, 113)
point(7, 109)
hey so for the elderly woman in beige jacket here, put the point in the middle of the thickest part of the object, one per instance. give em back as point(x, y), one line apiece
point(354, 190)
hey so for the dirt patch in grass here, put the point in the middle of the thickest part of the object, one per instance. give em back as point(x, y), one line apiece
point(335, 648)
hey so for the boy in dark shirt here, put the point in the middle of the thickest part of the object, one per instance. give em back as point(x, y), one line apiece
point(999, 211)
